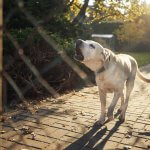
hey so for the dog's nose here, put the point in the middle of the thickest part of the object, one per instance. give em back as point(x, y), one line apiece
point(78, 42)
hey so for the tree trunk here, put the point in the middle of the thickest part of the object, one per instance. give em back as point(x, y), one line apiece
point(81, 15)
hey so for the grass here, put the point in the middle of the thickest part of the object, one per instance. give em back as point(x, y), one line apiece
point(142, 58)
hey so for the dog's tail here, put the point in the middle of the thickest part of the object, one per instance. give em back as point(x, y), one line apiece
point(142, 77)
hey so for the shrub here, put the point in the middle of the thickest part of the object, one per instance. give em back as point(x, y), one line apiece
point(135, 35)
point(40, 53)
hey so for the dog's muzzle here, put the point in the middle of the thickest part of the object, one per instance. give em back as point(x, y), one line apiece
point(78, 53)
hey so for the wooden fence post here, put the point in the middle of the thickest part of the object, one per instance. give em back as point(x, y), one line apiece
point(1, 55)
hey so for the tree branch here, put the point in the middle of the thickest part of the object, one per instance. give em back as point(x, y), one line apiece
point(81, 14)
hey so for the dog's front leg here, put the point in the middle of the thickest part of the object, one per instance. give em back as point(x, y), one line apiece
point(122, 104)
point(112, 105)
point(103, 107)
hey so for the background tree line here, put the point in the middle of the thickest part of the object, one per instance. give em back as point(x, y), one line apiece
point(71, 18)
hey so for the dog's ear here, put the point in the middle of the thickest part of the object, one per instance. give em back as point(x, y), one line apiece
point(105, 54)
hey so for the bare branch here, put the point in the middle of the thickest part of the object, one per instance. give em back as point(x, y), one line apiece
point(81, 14)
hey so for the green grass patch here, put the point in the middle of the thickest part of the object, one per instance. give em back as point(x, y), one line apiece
point(142, 58)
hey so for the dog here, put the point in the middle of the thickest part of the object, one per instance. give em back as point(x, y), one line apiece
point(112, 73)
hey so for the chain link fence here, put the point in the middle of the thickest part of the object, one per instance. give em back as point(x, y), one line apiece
point(37, 76)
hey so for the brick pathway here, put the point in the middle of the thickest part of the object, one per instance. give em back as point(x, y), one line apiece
point(67, 123)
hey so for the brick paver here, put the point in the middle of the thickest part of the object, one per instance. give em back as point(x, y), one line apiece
point(67, 123)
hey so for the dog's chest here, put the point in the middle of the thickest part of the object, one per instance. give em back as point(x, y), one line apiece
point(106, 84)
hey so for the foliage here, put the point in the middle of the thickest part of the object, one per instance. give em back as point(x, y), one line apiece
point(43, 11)
point(135, 9)
point(130, 33)
point(115, 10)
point(73, 10)
point(102, 10)
point(29, 39)
point(105, 27)
point(42, 55)
point(135, 35)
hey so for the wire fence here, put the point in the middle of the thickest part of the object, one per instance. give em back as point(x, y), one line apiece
point(20, 52)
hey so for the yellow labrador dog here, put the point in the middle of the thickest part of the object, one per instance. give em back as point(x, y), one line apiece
point(112, 73)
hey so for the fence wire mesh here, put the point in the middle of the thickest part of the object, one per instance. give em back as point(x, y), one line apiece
point(41, 72)
point(29, 82)
point(33, 74)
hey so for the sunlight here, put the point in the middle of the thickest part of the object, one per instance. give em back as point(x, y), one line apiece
point(91, 2)
point(147, 1)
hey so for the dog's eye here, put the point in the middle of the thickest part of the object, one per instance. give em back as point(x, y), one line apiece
point(91, 45)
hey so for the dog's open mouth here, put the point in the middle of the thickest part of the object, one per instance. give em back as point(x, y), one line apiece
point(78, 55)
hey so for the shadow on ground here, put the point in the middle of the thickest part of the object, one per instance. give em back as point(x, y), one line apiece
point(145, 133)
point(95, 138)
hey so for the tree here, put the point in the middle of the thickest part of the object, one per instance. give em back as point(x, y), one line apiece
point(82, 13)
point(131, 33)
point(43, 11)
point(136, 29)
point(103, 10)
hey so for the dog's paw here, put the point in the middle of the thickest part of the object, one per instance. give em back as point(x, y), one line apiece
point(110, 113)
point(101, 121)
point(119, 111)
point(97, 124)
point(110, 118)
point(121, 118)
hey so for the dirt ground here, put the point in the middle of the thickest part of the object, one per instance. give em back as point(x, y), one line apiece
point(67, 123)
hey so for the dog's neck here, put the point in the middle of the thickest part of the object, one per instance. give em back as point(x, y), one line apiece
point(104, 67)
point(99, 66)
point(94, 64)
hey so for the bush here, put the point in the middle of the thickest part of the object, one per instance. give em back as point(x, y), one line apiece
point(105, 27)
point(29, 38)
point(39, 52)
point(135, 35)
point(60, 76)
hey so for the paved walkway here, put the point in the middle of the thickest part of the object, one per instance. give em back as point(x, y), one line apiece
point(67, 123)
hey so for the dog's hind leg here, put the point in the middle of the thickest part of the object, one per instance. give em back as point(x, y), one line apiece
point(129, 88)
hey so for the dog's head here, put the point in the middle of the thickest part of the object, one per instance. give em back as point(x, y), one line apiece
point(89, 50)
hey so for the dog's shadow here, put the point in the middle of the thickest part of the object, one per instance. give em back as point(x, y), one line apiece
point(94, 138)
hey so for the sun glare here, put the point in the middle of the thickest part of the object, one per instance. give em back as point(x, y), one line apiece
point(147, 1)
point(91, 2)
